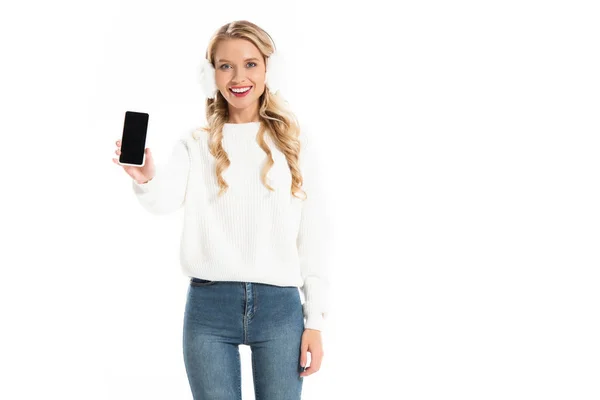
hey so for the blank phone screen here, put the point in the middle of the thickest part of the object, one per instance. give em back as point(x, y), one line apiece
point(133, 141)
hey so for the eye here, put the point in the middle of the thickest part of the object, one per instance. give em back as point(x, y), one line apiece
point(227, 65)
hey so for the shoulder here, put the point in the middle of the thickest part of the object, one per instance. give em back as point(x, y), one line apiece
point(183, 143)
point(308, 139)
point(196, 134)
point(304, 136)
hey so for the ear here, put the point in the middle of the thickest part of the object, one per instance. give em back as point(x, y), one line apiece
point(274, 73)
point(207, 80)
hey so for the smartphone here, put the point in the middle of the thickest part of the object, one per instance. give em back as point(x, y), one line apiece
point(133, 141)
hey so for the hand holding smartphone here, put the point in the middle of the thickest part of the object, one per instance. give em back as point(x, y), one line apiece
point(136, 160)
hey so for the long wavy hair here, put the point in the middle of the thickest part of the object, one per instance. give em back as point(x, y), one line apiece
point(276, 119)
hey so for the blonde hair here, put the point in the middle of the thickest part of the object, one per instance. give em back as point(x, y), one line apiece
point(274, 113)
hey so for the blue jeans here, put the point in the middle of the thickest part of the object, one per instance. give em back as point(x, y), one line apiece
point(220, 316)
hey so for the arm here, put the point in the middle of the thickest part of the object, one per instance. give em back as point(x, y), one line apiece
point(313, 240)
point(165, 192)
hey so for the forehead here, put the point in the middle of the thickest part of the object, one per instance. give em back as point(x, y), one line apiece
point(236, 50)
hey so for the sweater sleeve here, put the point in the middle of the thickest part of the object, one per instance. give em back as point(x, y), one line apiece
point(165, 192)
point(313, 239)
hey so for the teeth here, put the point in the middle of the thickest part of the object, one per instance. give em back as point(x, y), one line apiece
point(240, 90)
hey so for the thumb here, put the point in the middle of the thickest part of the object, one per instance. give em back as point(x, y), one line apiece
point(303, 355)
point(148, 155)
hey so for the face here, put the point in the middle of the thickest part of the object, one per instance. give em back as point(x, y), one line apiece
point(239, 65)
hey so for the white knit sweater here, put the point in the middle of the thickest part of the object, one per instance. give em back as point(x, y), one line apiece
point(249, 234)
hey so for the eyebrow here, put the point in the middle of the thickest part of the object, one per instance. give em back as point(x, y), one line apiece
point(247, 59)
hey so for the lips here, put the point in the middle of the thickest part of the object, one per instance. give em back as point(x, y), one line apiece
point(241, 94)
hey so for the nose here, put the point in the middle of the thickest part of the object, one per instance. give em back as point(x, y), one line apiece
point(239, 76)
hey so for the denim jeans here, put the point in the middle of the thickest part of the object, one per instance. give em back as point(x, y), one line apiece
point(221, 315)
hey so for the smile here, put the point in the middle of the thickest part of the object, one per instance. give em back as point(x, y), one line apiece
point(241, 91)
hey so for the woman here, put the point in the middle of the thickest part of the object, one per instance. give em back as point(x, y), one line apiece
point(249, 242)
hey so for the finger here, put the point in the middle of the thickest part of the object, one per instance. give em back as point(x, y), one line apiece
point(309, 371)
point(118, 151)
point(118, 143)
point(303, 354)
point(315, 361)
point(315, 364)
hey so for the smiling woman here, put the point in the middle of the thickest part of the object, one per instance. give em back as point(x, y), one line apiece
point(251, 247)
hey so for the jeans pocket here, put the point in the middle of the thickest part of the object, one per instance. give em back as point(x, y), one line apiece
point(201, 282)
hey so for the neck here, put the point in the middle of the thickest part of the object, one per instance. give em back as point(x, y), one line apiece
point(245, 115)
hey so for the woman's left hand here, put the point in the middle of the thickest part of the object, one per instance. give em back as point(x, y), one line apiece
point(311, 341)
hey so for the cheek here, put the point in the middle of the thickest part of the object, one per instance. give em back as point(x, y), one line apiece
point(221, 79)
point(258, 78)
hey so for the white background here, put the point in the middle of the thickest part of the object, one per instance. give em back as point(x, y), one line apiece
point(461, 145)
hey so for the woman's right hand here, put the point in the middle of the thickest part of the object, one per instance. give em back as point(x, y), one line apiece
point(140, 174)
